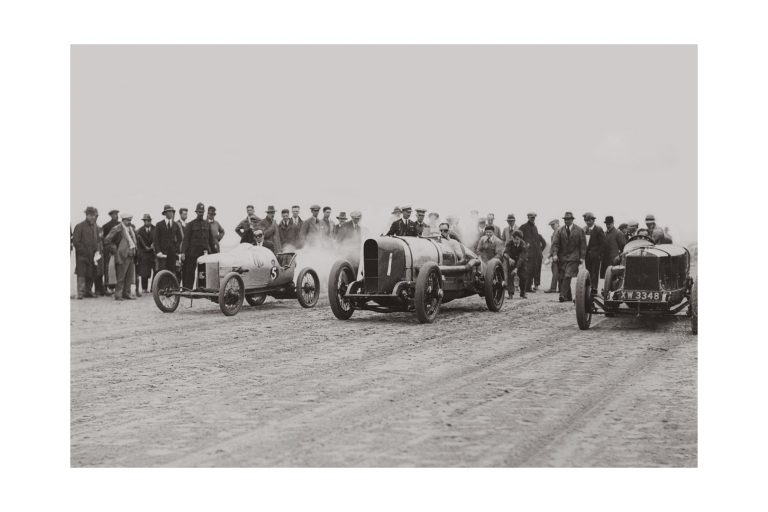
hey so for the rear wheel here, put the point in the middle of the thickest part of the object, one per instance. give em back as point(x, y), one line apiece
point(256, 299)
point(231, 294)
point(607, 289)
point(694, 307)
point(307, 288)
point(339, 280)
point(494, 284)
point(428, 294)
point(583, 299)
point(165, 289)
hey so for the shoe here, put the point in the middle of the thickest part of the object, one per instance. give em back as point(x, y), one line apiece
point(119, 298)
point(109, 293)
point(523, 296)
point(79, 297)
point(550, 291)
point(129, 297)
point(88, 295)
point(561, 298)
point(145, 291)
point(510, 295)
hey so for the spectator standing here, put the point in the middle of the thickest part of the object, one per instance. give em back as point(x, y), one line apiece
point(145, 238)
point(86, 240)
point(167, 241)
point(197, 240)
point(288, 231)
point(217, 231)
point(614, 244)
point(569, 248)
point(533, 241)
point(123, 245)
point(555, 283)
point(595, 248)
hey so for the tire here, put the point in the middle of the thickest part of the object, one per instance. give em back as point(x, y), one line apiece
point(583, 299)
point(165, 283)
point(256, 299)
point(231, 294)
point(339, 279)
point(607, 289)
point(494, 285)
point(694, 307)
point(307, 288)
point(428, 296)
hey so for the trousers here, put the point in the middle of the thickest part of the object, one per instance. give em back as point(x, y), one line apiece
point(125, 276)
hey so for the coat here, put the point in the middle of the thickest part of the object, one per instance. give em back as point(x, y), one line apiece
point(288, 233)
point(271, 233)
point(403, 227)
point(350, 233)
point(146, 250)
point(197, 238)
point(596, 244)
point(614, 244)
point(167, 241)
point(517, 253)
point(311, 230)
point(571, 247)
point(488, 249)
point(506, 234)
point(120, 244)
point(533, 239)
point(87, 240)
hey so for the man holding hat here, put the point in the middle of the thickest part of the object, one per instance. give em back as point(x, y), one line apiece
point(311, 230)
point(404, 226)
point(198, 240)
point(595, 248)
point(122, 243)
point(288, 231)
point(535, 248)
point(657, 234)
point(614, 244)
point(217, 231)
point(269, 228)
point(569, 248)
point(87, 242)
point(145, 238)
point(167, 241)
point(555, 284)
point(342, 218)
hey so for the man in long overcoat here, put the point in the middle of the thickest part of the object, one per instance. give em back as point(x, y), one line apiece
point(288, 231)
point(167, 241)
point(86, 240)
point(595, 248)
point(145, 238)
point(197, 240)
point(614, 244)
point(533, 239)
point(569, 248)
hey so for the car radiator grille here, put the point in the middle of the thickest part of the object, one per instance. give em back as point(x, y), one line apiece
point(642, 273)
point(371, 266)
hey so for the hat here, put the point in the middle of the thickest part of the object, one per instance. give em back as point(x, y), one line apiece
point(511, 216)
point(609, 219)
point(183, 210)
point(396, 209)
point(531, 214)
point(481, 222)
point(253, 218)
point(91, 210)
point(633, 223)
point(211, 209)
point(589, 215)
point(146, 217)
point(407, 208)
point(623, 225)
point(517, 233)
point(342, 216)
point(113, 211)
point(314, 207)
point(200, 207)
point(434, 214)
point(421, 210)
point(355, 213)
point(489, 227)
point(271, 209)
point(650, 218)
point(258, 232)
point(124, 216)
point(168, 208)
point(326, 209)
point(554, 221)
point(568, 215)
point(285, 210)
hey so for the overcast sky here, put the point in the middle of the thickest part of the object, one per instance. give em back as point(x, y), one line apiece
point(609, 129)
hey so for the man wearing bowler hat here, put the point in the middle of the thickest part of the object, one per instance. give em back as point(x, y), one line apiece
point(167, 241)
point(569, 248)
point(145, 236)
point(595, 248)
point(198, 240)
point(511, 227)
point(123, 244)
point(87, 242)
point(614, 244)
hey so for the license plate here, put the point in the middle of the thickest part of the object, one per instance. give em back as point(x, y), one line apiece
point(641, 295)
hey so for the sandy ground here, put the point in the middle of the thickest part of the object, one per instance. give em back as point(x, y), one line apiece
point(278, 385)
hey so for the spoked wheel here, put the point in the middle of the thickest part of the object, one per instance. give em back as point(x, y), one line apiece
point(231, 294)
point(607, 289)
point(494, 285)
point(307, 288)
point(339, 280)
point(429, 293)
point(165, 290)
point(256, 299)
point(584, 305)
point(694, 307)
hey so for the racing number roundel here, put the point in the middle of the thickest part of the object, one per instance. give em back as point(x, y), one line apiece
point(273, 273)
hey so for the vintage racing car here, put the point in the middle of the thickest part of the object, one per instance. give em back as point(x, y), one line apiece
point(405, 273)
point(247, 272)
point(647, 279)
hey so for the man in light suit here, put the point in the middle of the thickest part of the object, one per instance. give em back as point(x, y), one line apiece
point(122, 242)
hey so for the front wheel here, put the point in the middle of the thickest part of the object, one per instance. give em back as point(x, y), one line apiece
point(256, 299)
point(694, 307)
point(338, 281)
point(494, 284)
point(231, 294)
point(429, 293)
point(165, 290)
point(307, 288)
point(584, 299)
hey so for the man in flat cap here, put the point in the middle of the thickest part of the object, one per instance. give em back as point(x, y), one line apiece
point(217, 230)
point(404, 226)
point(614, 244)
point(421, 227)
point(555, 283)
point(533, 240)
point(122, 243)
point(624, 228)
point(595, 248)
point(657, 234)
point(197, 240)
point(246, 222)
point(632, 227)
point(167, 241)
point(342, 218)
point(145, 239)
point(288, 231)
point(569, 248)
point(87, 242)
point(311, 229)
point(268, 226)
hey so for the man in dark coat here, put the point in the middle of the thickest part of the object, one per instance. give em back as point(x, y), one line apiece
point(404, 226)
point(533, 239)
point(350, 238)
point(516, 254)
point(198, 240)
point(145, 240)
point(246, 222)
point(421, 227)
point(268, 227)
point(595, 248)
point(342, 218)
point(87, 242)
point(167, 241)
point(288, 231)
point(614, 244)
point(311, 230)
point(569, 248)
point(296, 221)
point(327, 224)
